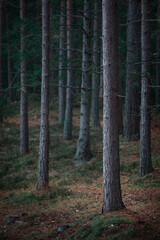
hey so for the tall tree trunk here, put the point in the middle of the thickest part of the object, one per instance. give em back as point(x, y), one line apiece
point(131, 122)
point(145, 134)
point(101, 77)
point(1, 27)
point(158, 58)
point(9, 76)
point(9, 61)
point(62, 39)
point(43, 161)
point(120, 81)
point(83, 148)
point(96, 66)
point(24, 141)
point(112, 199)
point(67, 133)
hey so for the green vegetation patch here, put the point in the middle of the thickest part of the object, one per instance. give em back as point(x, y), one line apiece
point(129, 167)
point(101, 224)
point(30, 197)
point(149, 180)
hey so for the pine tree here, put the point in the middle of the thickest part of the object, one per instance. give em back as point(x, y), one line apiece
point(24, 139)
point(145, 132)
point(112, 199)
point(43, 161)
point(131, 121)
point(96, 63)
point(67, 133)
point(62, 51)
point(83, 147)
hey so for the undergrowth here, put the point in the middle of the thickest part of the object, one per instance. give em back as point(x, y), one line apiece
point(18, 178)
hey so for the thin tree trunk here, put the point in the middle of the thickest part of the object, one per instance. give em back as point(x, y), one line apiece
point(101, 78)
point(24, 141)
point(112, 199)
point(96, 63)
point(120, 106)
point(132, 100)
point(120, 82)
point(9, 62)
point(62, 90)
point(43, 161)
point(145, 134)
point(1, 27)
point(158, 58)
point(67, 133)
point(9, 76)
point(83, 148)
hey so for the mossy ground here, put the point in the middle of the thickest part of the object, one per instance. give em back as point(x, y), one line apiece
point(75, 193)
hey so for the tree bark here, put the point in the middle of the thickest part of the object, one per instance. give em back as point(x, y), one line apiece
point(62, 53)
point(145, 134)
point(112, 199)
point(67, 133)
point(83, 148)
point(132, 100)
point(24, 140)
point(158, 58)
point(9, 61)
point(1, 31)
point(96, 67)
point(43, 161)
point(120, 80)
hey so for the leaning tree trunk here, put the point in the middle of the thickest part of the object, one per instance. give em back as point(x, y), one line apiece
point(62, 51)
point(112, 199)
point(158, 59)
point(1, 26)
point(131, 121)
point(43, 161)
point(24, 140)
point(67, 133)
point(96, 67)
point(145, 134)
point(83, 148)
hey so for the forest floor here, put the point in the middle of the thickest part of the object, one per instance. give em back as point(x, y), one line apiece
point(74, 197)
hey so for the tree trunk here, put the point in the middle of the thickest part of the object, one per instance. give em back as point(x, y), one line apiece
point(112, 199)
point(120, 80)
point(83, 148)
point(43, 161)
point(145, 134)
point(67, 133)
point(62, 95)
point(131, 121)
point(9, 61)
point(1, 27)
point(96, 67)
point(24, 141)
point(158, 59)
point(9, 76)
